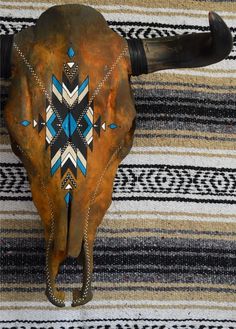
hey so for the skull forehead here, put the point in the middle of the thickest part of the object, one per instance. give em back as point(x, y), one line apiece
point(46, 44)
point(71, 18)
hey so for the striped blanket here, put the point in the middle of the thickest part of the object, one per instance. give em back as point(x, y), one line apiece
point(165, 255)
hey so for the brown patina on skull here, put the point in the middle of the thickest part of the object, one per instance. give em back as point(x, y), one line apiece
point(71, 119)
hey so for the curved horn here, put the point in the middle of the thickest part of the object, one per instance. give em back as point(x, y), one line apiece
point(192, 50)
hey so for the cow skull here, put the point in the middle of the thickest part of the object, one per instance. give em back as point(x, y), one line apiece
point(71, 118)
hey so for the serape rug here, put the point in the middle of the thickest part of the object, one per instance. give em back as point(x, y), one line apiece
point(165, 255)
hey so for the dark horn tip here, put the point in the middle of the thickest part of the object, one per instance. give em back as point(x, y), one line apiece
point(222, 40)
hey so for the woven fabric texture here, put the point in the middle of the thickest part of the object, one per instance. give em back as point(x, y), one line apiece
point(165, 255)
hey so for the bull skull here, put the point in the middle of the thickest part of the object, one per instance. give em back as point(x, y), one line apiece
point(71, 118)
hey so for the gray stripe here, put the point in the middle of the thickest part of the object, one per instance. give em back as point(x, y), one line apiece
point(184, 93)
point(193, 126)
point(184, 84)
point(103, 230)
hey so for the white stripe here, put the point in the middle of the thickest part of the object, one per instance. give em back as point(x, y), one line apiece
point(90, 114)
point(122, 8)
point(187, 160)
point(5, 147)
point(48, 135)
point(70, 94)
point(55, 158)
point(48, 108)
point(177, 195)
point(136, 206)
point(174, 206)
point(168, 217)
point(157, 303)
point(89, 135)
point(169, 149)
point(21, 13)
point(69, 100)
point(69, 156)
point(81, 96)
point(49, 113)
point(172, 19)
point(198, 72)
point(56, 92)
point(191, 309)
point(90, 140)
point(24, 3)
point(161, 10)
point(69, 153)
point(110, 216)
point(9, 157)
point(11, 216)
point(81, 157)
point(17, 206)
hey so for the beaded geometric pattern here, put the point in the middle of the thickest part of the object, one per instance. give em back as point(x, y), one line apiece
point(69, 124)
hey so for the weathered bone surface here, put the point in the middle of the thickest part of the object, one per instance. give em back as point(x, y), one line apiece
point(71, 119)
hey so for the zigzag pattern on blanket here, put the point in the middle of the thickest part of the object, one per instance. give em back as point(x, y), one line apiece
point(165, 253)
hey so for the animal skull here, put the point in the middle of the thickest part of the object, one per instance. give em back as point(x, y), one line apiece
point(71, 118)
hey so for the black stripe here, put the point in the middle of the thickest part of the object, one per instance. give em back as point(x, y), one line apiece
point(165, 96)
point(118, 319)
point(17, 198)
point(186, 120)
point(18, 19)
point(171, 135)
point(174, 26)
point(37, 247)
point(146, 165)
point(135, 198)
point(144, 260)
point(166, 199)
point(225, 115)
point(110, 230)
point(10, 165)
point(38, 271)
point(119, 23)
point(142, 287)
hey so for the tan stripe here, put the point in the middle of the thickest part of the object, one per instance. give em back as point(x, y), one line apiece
point(163, 76)
point(203, 215)
point(4, 139)
point(186, 132)
point(20, 224)
point(205, 69)
point(5, 82)
point(6, 151)
point(193, 88)
point(134, 234)
point(133, 223)
point(218, 155)
point(122, 10)
point(97, 284)
point(15, 7)
point(187, 153)
point(132, 295)
point(224, 6)
point(180, 142)
point(20, 212)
